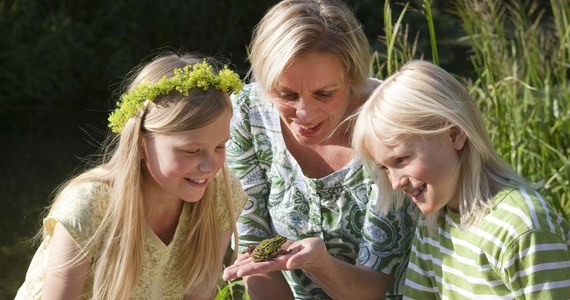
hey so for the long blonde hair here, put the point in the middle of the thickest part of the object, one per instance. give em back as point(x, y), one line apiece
point(121, 233)
point(422, 99)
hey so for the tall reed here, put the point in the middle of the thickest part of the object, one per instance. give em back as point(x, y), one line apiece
point(521, 55)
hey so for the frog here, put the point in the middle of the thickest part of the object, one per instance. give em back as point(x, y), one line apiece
point(267, 249)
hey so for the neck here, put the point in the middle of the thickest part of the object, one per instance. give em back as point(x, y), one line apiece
point(162, 209)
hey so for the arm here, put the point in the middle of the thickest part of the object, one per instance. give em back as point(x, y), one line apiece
point(64, 280)
point(268, 286)
point(339, 279)
point(249, 164)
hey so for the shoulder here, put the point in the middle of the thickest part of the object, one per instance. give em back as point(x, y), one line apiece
point(79, 209)
point(525, 208)
point(82, 197)
point(250, 95)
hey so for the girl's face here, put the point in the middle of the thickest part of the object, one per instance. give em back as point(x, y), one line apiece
point(424, 168)
point(180, 166)
point(312, 96)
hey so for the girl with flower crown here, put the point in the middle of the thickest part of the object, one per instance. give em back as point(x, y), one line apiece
point(155, 218)
point(485, 233)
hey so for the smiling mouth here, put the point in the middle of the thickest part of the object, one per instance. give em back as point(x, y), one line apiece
point(199, 181)
point(416, 192)
point(306, 130)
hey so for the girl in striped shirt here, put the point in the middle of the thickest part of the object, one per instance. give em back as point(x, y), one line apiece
point(484, 232)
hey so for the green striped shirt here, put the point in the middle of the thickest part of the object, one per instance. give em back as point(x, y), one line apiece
point(519, 250)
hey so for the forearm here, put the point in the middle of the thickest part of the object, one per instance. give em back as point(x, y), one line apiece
point(341, 280)
point(268, 286)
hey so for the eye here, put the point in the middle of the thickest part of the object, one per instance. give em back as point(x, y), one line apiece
point(401, 160)
point(323, 94)
point(287, 96)
point(221, 147)
point(191, 151)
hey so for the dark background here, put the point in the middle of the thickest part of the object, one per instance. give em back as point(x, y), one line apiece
point(61, 62)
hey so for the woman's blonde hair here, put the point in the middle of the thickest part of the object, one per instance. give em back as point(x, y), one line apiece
point(293, 28)
point(422, 99)
point(121, 233)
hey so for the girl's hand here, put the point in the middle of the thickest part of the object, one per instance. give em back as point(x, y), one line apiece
point(303, 254)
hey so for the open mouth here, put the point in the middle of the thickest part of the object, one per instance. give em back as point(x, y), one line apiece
point(197, 181)
point(307, 130)
point(416, 194)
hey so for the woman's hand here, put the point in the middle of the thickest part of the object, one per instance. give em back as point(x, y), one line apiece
point(338, 279)
point(305, 254)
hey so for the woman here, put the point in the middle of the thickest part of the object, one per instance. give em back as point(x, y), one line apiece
point(290, 147)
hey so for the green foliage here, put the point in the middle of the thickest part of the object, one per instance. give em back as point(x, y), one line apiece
point(197, 76)
point(232, 290)
point(522, 58)
point(65, 55)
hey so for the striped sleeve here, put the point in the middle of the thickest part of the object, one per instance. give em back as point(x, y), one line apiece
point(536, 264)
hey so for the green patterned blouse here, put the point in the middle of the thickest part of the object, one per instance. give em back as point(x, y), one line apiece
point(338, 208)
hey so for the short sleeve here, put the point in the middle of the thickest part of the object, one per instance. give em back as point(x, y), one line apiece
point(238, 200)
point(80, 211)
point(537, 265)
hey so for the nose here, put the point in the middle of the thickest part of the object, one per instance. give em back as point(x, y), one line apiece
point(207, 164)
point(397, 180)
point(304, 110)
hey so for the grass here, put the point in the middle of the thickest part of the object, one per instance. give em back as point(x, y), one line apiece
point(521, 55)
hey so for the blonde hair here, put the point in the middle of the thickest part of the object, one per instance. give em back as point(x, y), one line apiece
point(293, 28)
point(422, 99)
point(121, 233)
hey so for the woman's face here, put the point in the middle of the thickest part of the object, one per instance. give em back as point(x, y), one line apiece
point(312, 96)
point(424, 168)
point(180, 166)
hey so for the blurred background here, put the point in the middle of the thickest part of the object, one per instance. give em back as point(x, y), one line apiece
point(62, 61)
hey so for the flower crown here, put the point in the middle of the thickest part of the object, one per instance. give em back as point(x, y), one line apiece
point(200, 75)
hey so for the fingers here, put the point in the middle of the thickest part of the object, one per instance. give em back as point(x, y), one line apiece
point(245, 266)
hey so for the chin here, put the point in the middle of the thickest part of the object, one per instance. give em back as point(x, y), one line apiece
point(427, 210)
point(193, 198)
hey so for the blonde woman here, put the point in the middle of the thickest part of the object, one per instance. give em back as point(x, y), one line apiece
point(291, 149)
point(485, 233)
point(153, 221)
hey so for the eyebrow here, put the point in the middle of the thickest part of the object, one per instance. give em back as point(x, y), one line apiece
point(288, 89)
point(200, 144)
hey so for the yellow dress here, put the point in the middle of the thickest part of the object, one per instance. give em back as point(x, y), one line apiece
point(81, 211)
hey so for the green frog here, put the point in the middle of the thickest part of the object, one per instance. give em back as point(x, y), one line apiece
point(267, 249)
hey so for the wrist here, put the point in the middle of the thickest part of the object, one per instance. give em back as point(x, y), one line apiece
point(323, 265)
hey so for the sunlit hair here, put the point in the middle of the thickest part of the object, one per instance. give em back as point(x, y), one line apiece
point(293, 28)
point(424, 100)
point(121, 233)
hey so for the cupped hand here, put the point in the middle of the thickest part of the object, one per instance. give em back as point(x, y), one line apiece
point(303, 254)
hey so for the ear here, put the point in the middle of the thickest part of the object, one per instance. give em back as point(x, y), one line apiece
point(458, 137)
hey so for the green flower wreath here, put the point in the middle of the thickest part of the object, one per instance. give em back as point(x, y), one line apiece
point(200, 75)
